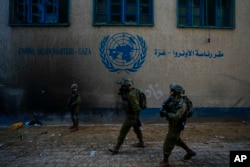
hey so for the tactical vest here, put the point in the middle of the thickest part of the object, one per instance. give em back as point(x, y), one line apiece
point(174, 106)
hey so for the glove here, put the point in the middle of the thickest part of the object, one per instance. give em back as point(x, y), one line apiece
point(162, 113)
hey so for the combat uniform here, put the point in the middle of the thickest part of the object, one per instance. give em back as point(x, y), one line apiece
point(176, 114)
point(130, 101)
point(132, 110)
point(73, 106)
point(176, 125)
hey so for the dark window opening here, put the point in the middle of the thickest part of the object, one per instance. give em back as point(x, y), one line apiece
point(206, 13)
point(123, 12)
point(39, 13)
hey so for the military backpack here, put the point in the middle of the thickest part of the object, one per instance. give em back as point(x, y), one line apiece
point(142, 100)
point(189, 106)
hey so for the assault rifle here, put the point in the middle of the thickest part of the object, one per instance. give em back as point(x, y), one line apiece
point(165, 107)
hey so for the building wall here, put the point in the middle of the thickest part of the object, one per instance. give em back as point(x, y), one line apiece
point(214, 74)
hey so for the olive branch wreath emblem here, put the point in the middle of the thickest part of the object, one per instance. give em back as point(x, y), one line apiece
point(111, 67)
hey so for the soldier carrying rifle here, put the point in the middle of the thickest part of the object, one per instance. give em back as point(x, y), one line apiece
point(175, 109)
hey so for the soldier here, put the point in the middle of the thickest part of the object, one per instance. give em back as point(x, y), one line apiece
point(175, 111)
point(130, 98)
point(73, 106)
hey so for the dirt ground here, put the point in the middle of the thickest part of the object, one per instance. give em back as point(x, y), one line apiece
point(55, 145)
point(106, 134)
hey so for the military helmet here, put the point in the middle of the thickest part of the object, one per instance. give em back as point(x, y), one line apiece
point(127, 82)
point(177, 88)
point(120, 82)
point(74, 86)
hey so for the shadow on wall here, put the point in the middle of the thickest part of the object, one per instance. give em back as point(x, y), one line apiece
point(17, 104)
point(10, 103)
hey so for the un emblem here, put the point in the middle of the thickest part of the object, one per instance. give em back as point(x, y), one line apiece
point(123, 52)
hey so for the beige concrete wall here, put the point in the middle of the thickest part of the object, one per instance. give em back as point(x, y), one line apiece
point(210, 82)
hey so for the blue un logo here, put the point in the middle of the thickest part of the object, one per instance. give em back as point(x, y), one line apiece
point(123, 52)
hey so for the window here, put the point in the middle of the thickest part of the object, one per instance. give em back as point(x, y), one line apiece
point(123, 12)
point(39, 13)
point(206, 13)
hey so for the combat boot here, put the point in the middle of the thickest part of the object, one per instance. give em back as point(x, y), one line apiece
point(74, 128)
point(164, 162)
point(189, 155)
point(115, 150)
point(71, 127)
point(140, 144)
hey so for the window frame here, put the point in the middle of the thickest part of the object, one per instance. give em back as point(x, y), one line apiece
point(203, 17)
point(123, 13)
point(61, 17)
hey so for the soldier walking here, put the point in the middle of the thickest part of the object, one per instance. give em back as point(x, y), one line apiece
point(175, 111)
point(130, 101)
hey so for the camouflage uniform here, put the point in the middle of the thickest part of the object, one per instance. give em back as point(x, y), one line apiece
point(176, 114)
point(73, 106)
point(176, 125)
point(132, 109)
